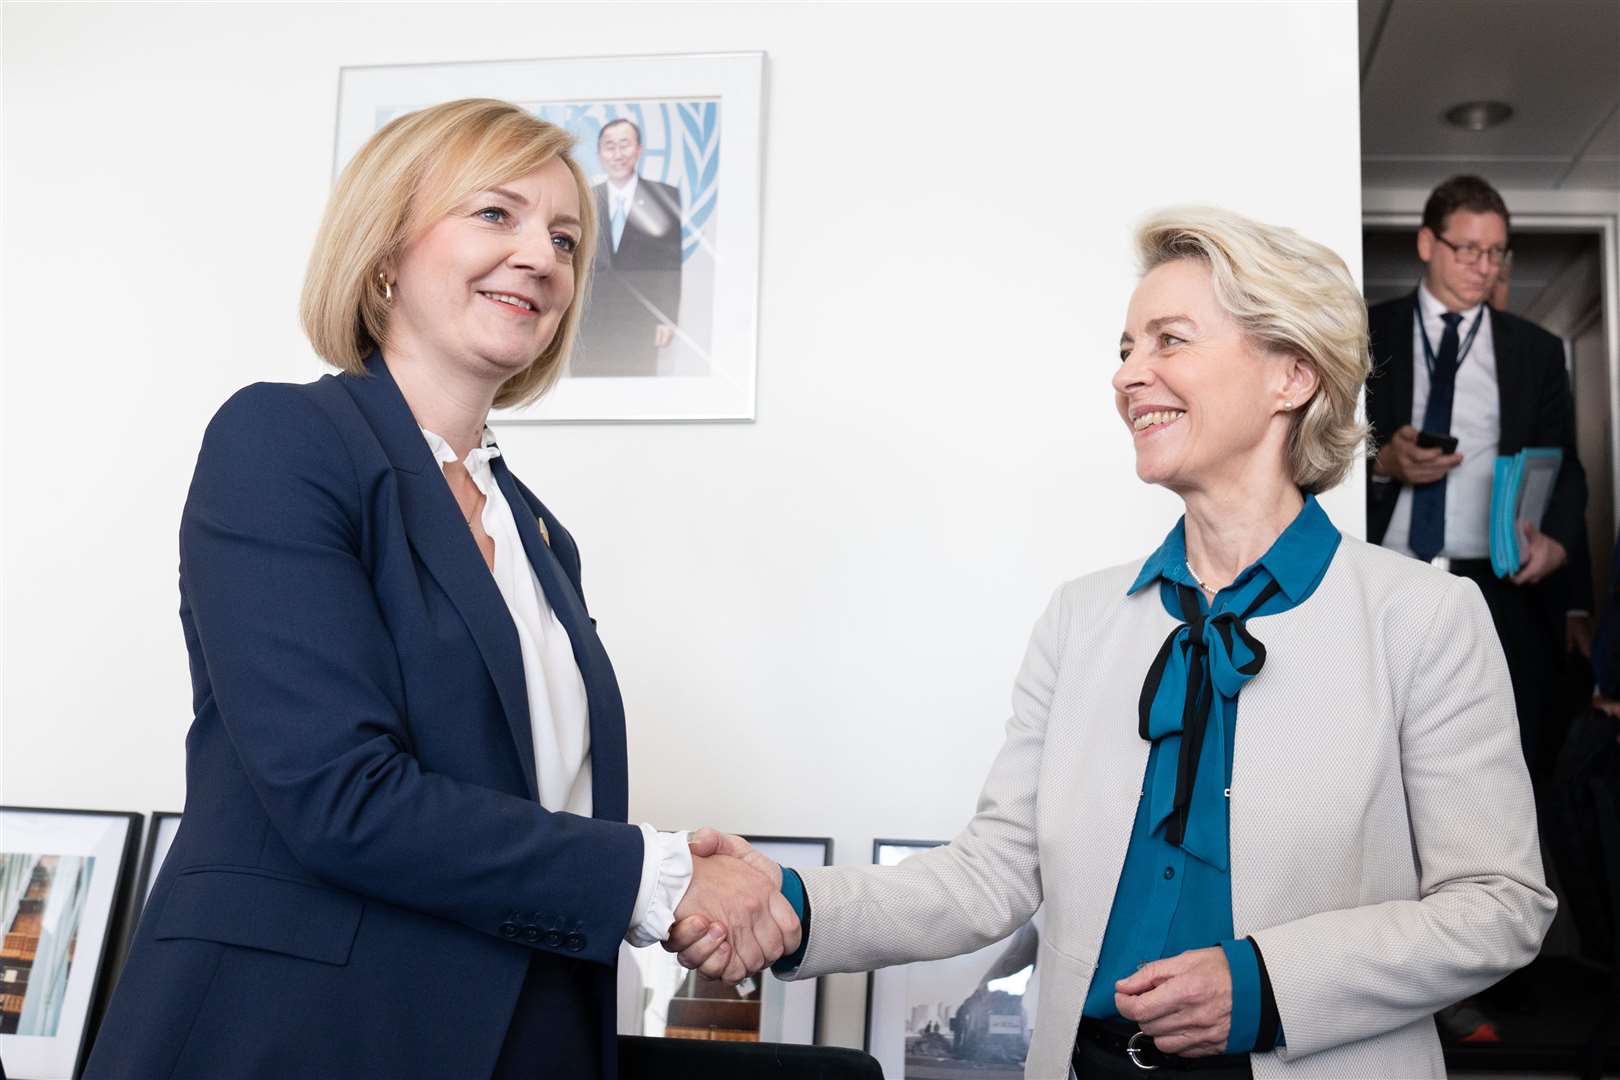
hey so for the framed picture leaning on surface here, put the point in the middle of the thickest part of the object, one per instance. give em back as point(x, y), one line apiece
point(159, 837)
point(659, 997)
point(65, 877)
point(963, 1016)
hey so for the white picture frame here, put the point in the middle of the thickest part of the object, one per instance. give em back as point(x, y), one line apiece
point(701, 121)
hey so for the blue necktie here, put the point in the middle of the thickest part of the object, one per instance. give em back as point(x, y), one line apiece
point(1429, 500)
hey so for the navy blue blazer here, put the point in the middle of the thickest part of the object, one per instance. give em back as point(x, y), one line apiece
point(1537, 408)
point(363, 878)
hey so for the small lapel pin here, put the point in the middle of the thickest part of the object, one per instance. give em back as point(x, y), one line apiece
point(545, 533)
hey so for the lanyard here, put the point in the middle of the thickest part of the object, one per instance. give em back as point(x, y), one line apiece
point(1468, 342)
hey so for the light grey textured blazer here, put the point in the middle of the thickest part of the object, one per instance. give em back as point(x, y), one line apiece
point(1383, 836)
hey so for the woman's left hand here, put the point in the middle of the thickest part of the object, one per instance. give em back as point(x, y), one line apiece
point(1184, 1002)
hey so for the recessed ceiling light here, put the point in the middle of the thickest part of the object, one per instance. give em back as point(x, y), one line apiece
point(1478, 115)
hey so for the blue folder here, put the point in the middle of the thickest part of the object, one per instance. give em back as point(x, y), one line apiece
point(1521, 488)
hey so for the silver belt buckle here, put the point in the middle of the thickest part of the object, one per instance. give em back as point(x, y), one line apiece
point(1131, 1050)
point(1440, 562)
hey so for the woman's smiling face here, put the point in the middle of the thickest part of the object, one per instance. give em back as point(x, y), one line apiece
point(486, 286)
point(1197, 395)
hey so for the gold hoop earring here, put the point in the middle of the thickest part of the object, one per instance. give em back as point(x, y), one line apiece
point(388, 287)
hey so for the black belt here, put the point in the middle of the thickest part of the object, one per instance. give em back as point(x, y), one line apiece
point(1471, 568)
point(1118, 1037)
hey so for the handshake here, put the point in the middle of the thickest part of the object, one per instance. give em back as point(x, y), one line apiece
point(733, 920)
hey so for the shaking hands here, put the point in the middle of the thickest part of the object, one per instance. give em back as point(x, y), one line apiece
point(733, 920)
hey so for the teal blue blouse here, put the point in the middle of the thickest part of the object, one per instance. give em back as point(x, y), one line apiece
point(1171, 896)
point(1174, 897)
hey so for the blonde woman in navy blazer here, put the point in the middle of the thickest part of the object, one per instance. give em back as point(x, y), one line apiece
point(405, 850)
point(1274, 766)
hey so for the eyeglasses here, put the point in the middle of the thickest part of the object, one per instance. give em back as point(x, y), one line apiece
point(1469, 254)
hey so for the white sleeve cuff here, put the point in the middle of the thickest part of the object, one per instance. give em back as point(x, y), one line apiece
point(666, 871)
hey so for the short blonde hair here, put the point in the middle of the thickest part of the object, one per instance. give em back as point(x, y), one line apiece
point(407, 176)
point(1292, 295)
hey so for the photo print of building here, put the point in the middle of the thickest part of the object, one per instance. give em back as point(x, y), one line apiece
point(42, 903)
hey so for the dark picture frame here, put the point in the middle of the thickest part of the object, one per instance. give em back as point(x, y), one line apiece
point(159, 835)
point(71, 886)
point(670, 1002)
point(782, 848)
point(882, 1045)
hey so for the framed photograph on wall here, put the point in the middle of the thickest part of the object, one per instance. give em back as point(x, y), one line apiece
point(64, 882)
point(671, 146)
point(670, 1001)
point(159, 838)
point(964, 1016)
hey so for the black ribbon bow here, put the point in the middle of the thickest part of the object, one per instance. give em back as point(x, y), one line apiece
point(1212, 654)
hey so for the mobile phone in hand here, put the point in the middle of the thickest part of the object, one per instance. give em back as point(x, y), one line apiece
point(1446, 444)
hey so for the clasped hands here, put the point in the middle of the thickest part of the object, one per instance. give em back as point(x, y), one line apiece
point(733, 920)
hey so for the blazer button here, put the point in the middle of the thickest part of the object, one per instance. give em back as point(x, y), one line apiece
point(531, 933)
point(554, 938)
point(574, 942)
point(509, 929)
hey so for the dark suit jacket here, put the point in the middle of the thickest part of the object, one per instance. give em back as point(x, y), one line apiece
point(1606, 650)
point(1536, 408)
point(363, 877)
point(633, 289)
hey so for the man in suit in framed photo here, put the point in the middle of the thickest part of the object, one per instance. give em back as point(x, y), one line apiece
point(635, 297)
point(1455, 383)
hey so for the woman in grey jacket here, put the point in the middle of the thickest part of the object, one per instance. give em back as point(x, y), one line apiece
point(1267, 782)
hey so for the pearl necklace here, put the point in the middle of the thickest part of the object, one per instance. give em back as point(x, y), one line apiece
point(1195, 577)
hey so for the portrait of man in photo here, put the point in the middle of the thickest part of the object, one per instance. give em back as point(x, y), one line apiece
point(635, 297)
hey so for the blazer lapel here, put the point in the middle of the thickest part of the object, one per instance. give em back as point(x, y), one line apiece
point(646, 216)
point(1401, 349)
point(604, 227)
point(1103, 785)
point(654, 215)
point(1513, 388)
point(609, 787)
point(440, 536)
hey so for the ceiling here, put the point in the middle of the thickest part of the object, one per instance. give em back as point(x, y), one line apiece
point(1557, 62)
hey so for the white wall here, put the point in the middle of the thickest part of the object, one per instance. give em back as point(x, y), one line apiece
point(815, 617)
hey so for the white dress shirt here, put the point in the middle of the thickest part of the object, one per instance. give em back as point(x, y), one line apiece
point(621, 200)
point(559, 714)
point(1476, 421)
point(622, 196)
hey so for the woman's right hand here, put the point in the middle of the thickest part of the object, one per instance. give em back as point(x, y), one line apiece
point(700, 939)
point(742, 895)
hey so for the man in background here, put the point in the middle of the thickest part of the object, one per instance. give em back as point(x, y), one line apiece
point(635, 296)
point(1447, 364)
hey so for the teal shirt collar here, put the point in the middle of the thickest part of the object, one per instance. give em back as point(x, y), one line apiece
point(1296, 560)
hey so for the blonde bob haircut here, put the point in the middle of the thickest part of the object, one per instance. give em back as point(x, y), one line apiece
point(1290, 295)
point(409, 175)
